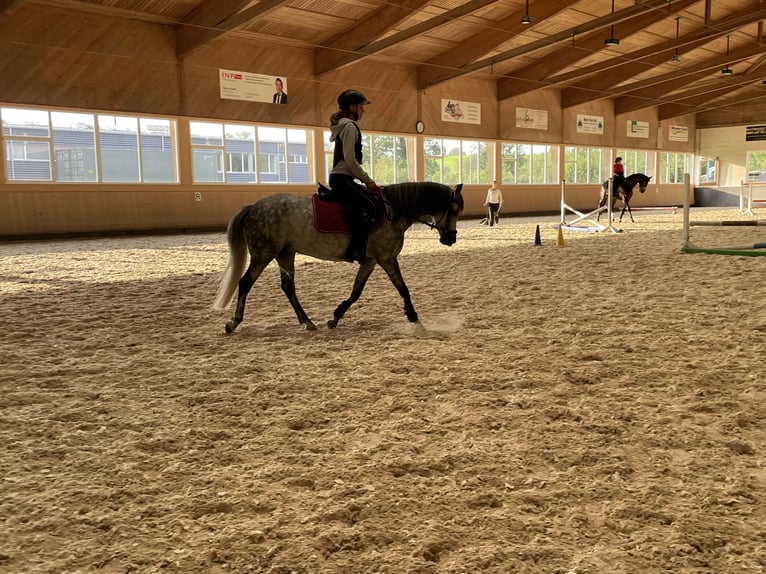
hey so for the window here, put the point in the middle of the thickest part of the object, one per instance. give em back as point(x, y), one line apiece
point(455, 161)
point(74, 147)
point(756, 166)
point(526, 163)
point(385, 158)
point(635, 161)
point(81, 147)
point(673, 166)
point(118, 141)
point(708, 171)
point(27, 144)
point(243, 153)
point(278, 149)
point(584, 165)
point(207, 152)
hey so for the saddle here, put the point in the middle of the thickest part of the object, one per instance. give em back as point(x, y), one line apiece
point(329, 212)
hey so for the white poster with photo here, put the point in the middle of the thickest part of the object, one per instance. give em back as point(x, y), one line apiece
point(590, 124)
point(638, 129)
point(531, 119)
point(461, 112)
point(678, 133)
point(236, 85)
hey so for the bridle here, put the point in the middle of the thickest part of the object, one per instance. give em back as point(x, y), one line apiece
point(447, 213)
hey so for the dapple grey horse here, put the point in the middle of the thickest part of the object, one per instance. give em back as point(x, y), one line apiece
point(281, 225)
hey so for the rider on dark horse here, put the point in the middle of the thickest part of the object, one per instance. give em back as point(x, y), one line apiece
point(359, 206)
point(618, 172)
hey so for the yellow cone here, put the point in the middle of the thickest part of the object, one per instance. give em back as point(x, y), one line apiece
point(560, 238)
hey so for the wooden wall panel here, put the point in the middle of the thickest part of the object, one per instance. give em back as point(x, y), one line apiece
point(115, 209)
point(547, 100)
point(603, 109)
point(57, 57)
point(200, 82)
point(470, 89)
point(665, 143)
point(621, 138)
point(390, 88)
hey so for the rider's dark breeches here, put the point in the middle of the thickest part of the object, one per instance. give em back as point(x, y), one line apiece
point(359, 206)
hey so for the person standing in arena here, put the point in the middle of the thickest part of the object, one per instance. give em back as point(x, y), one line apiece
point(494, 201)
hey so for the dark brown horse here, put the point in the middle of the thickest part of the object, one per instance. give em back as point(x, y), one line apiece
point(281, 225)
point(623, 190)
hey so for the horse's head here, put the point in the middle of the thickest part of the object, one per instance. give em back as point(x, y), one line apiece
point(447, 223)
point(433, 204)
point(643, 182)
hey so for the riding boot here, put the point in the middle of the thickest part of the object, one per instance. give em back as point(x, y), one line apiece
point(357, 247)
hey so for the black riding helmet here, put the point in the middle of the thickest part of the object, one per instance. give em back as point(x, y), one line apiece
point(351, 97)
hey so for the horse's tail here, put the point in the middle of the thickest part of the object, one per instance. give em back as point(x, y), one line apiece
point(235, 234)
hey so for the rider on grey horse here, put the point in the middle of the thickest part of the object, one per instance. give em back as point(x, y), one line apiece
point(359, 206)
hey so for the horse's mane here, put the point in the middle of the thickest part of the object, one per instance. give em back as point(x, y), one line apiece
point(413, 199)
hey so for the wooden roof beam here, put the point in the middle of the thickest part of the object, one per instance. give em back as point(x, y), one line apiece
point(214, 18)
point(638, 61)
point(358, 41)
point(754, 96)
point(9, 6)
point(639, 95)
point(459, 60)
point(633, 19)
point(701, 98)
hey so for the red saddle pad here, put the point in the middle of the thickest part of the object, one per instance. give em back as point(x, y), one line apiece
point(328, 217)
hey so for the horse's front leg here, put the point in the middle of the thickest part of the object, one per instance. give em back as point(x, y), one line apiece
point(365, 270)
point(395, 274)
point(287, 281)
point(630, 212)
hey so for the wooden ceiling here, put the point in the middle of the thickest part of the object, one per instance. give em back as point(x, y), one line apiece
point(670, 53)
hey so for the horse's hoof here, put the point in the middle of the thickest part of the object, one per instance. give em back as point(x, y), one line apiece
point(332, 323)
point(310, 326)
point(230, 326)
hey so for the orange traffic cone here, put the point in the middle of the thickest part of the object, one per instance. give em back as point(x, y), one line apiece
point(560, 238)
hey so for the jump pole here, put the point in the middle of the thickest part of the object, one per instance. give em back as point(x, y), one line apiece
point(750, 201)
point(743, 223)
point(746, 251)
point(671, 208)
point(610, 215)
point(596, 226)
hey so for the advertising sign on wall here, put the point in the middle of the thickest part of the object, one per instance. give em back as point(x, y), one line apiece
point(531, 119)
point(755, 133)
point(590, 124)
point(678, 133)
point(461, 112)
point(252, 87)
point(638, 129)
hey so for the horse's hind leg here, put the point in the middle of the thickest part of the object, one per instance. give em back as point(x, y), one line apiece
point(287, 279)
point(246, 283)
point(365, 270)
point(601, 203)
